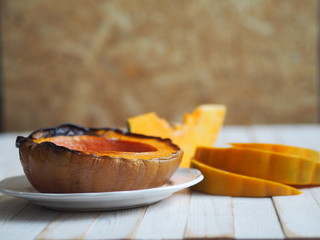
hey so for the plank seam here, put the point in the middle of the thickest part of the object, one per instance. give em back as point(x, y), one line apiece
point(185, 230)
point(315, 197)
point(134, 233)
point(82, 236)
point(279, 218)
point(45, 229)
point(233, 218)
point(17, 213)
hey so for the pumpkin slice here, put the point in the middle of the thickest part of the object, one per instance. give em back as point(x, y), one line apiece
point(74, 159)
point(284, 149)
point(225, 183)
point(242, 172)
point(256, 169)
point(199, 128)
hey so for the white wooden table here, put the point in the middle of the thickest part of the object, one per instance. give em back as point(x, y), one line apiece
point(184, 215)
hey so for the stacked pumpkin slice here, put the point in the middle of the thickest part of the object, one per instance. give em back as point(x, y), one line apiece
point(243, 170)
point(256, 170)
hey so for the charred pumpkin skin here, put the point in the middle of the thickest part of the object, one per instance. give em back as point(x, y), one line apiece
point(57, 169)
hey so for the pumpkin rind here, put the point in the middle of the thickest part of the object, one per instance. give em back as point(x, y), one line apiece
point(57, 169)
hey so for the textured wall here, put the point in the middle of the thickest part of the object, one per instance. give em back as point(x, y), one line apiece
point(97, 63)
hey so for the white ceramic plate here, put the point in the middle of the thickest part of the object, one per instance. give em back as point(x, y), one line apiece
point(20, 187)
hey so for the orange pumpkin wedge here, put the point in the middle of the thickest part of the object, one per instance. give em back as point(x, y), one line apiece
point(199, 128)
point(225, 183)
point(256, 170)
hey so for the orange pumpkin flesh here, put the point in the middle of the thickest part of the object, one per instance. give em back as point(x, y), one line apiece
point(199, 128)
point(97, 145)
point(73, 159)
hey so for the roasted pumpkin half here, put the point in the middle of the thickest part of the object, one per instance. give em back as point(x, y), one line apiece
point(74, 159)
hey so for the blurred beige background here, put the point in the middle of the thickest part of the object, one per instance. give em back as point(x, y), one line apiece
point(98, 62)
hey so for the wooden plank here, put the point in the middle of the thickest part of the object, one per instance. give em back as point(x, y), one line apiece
point(256, 218)
point(299, 135)
point(69, 225)
point(9, 162)
point(10, 207)
point(253, 217)
point(316, 193)
point(265, 134)
point(210, 217)
point(120, 224)
point(166, 219)
point(307, 136)
point(27, 224)
point(299, 215)
point(232, 134)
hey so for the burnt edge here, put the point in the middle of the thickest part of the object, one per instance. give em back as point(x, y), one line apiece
point(69, 129)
